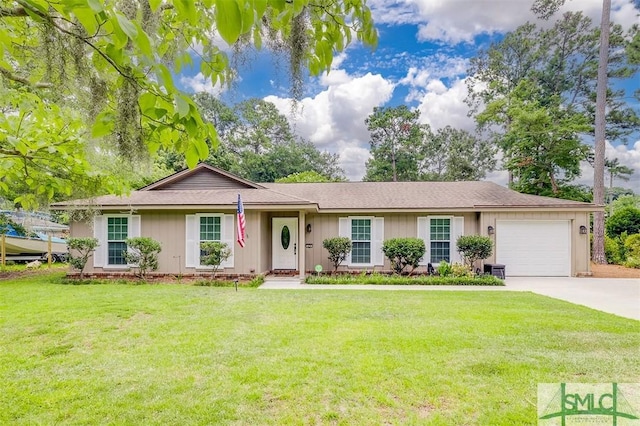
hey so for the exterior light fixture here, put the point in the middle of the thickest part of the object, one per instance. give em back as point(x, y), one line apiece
point(308, 227)
point(490, 230)
point(583, 230)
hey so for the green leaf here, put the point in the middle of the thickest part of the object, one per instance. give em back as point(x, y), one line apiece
point(95, 5)
point(260, 6)
point(202, 148)
point(127, 26)
point(165, 78)
point(119, 38)
point(257, 39)
point(191, 127)
point(147, 101)
point(143, 41)
point(247, 17)
point(159, 113)
point(104, 124)
point(42, 8)
point(277, 4)
point(115, 53)
point(182, 105)
point(191, 156)
point(188, 9)
point(213, 135)
point(228, 20)
point(87, 18)
point(298, 5)
point(155, 4)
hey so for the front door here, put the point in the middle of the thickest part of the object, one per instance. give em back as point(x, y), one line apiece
point(285, 243)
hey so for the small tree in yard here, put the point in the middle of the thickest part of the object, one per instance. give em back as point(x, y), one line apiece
point(338, 248)
point(215, 253)
point(474, 248)
point(143, 252)
point(84, 247)
point(403, 252)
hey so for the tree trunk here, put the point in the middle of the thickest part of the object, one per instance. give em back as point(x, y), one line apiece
point(597, 254)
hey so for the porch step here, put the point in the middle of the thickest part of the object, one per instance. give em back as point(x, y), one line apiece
point(283, 273)
point(281, 278)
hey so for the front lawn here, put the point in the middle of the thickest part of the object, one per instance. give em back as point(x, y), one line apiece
point(181, 354)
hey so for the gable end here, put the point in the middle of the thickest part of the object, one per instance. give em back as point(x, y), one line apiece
point(202, 177)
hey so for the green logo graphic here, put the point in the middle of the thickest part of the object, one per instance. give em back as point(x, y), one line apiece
point(580, 403)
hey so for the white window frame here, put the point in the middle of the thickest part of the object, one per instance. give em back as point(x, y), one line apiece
point(456, 229)
point(192, 245)
point(101, 232)
point(377, 237)
point(370, 240)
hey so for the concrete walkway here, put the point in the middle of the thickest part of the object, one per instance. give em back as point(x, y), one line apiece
point(616, 296)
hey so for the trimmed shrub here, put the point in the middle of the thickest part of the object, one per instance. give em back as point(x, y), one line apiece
point(215, 252)
point(474, 248)
point(403, 253)
point(142, 252)
point(444, 269)
point(624, 220)
point(338, 248)
point(381, 279)
point(255, 282)
point(460, 270)
point(84, 247)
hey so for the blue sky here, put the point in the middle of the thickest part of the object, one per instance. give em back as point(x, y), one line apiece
point(421, 61)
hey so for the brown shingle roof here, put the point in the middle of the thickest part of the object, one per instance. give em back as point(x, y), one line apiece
point(214, 197)
point(344, 196)
point(416, 195)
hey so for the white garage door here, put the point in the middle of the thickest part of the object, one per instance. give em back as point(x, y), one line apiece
point(534, 247)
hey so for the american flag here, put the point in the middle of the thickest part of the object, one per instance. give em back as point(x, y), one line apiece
point(241, 222)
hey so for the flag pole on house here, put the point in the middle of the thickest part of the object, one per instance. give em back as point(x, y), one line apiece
point(241, 228)
point(241, 222)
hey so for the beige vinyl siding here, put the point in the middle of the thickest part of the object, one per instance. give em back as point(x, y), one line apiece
point(396, 225)
point(169, 228)
point(203, 179)
point(580, 246)
point(263, 246)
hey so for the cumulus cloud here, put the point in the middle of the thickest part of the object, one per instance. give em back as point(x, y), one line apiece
point(627, 156)
point(442, 106)
point(198, 83)
point(334, 118)
point(456, 21)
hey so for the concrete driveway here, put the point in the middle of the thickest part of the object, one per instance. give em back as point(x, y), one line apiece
point(619, 296)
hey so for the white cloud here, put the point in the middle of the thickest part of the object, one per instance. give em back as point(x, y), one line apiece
point(455, 21)
point(334, 119)
point(627, 156)
point(198, 83)
point(441, 106)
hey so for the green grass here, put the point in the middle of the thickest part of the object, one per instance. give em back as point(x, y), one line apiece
point(180, 354)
